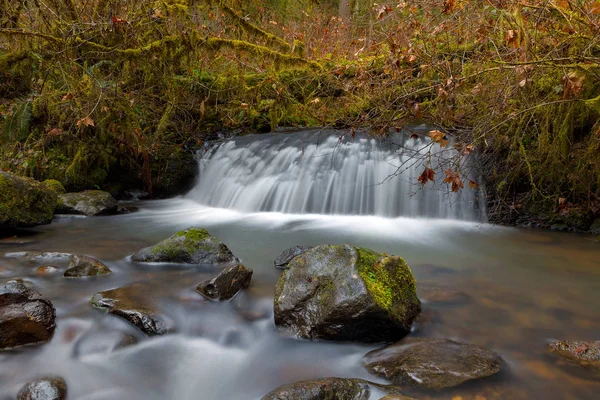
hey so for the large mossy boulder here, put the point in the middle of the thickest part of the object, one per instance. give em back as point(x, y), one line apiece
point(89, 203)
point(432, 363)
point(51, 388)
point(24, 202)
point(135, 304)
point(346, 293)
point(191, 246)
point(25, 316)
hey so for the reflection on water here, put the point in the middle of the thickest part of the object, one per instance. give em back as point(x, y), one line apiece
point(524, 288)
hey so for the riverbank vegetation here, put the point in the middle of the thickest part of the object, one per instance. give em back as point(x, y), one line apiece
point(110, 94)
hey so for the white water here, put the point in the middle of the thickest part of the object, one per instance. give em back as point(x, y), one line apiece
point(318, 172)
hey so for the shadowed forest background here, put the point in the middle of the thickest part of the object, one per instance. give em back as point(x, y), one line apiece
point(120, 94)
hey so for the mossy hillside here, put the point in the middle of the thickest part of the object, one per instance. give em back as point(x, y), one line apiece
point(389, 281)
point(25, 202)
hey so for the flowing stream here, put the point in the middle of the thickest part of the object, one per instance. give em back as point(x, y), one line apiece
point(261, 195)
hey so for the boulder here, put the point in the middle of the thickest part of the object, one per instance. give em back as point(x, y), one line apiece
point(432, 363)
point(287, 255)
point(330, 388)
point(346, 293)
point(55, 185)
point(51, 388)
point(89, 202)
point(24, 202)
point(134, 304)
point(586, 353)
point(191, 246)
point(82, 266)
point(25, 316)
point(227, 284)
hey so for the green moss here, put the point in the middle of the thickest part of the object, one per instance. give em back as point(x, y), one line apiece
point(55, 185)
point(388, 279)
point(24, 202)
point(192, 240)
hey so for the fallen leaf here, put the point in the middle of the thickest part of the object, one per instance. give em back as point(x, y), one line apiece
point(87, 121)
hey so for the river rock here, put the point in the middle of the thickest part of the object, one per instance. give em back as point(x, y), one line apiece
point(46, 270)
point(51, 388)
point(227, 284)
point(586, 353)
point(432, 363)
point(81, 266)
point(89, 202)
point(133, 303)
point(346, 293)
point(287, 255)
point(320, 389)
point(433, 293)
point(24, 202)
point(191, 246)
point(25, 316)
point(41, 255)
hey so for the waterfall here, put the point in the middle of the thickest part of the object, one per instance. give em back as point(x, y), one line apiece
point(332, 172)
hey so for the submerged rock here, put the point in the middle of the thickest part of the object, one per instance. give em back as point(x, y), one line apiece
point(191, 246)
point(81, 266)
point(25, 316)
point(227, 284)
point(432, 363)
point(133, 303)
point(41, 256)
point(346, 293)
point(89, 202)
point(586, 353)
point(24, 202)
point(433, 293)
point(51, 388)
point(101, 341)
point(46, 270)
point(288, 255)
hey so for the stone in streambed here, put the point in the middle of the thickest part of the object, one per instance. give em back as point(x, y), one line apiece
point(24, 202)
point(586, 353)
point(288, 255)
point(227, 284)
point(50, 388)
point(432, 363)
point(434, 293)
point(25, 316)
point(191, 246)
point(134, 304)
point(89, 203)
point(82, 266)
point(46, 270)
point(346, 293)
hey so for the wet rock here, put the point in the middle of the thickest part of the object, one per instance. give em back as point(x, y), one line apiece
point(191, 246)
point(432, 293)
point(82, 266)
point(586, 353)
point(24, 202)
point(432, 363)
point(51, 388)
point(322, 389)
point(227, 284)
point(133, 303)
point(127, 209)
point(41, 256)
point(89, 202)
point(25, 316)
point(46, 270)
point(346, 293)
point(287, 255)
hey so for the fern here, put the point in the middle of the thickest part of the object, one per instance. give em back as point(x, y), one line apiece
point(16, 125)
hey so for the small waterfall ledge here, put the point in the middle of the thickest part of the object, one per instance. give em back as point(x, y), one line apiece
point(327, 172)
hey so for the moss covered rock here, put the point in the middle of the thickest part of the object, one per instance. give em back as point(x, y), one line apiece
point(55, 185)
point(346, 293)
point(89, 202)
point(191, 246)
point(24, 202)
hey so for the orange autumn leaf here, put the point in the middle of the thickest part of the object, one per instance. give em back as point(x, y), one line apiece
point(426, 176)
point(448, 6)
point(454, 179)
point(595, 8)
point(469, 149)
point(438, 137)
point(87, 121)
point(473, 184)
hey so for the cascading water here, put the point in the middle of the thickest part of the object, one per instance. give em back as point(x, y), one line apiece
point(327, 172)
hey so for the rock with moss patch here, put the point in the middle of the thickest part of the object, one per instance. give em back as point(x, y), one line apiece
point(586, 353)
point(24, 202)
point(227, 284)
point(82, 266)
point(191, 246)
point(135, 304)
point(25, 316)
point(346, 293)
point(288, 255)
point(49, 388)
point(432, 363)
point(89, 203)
point(55, 185)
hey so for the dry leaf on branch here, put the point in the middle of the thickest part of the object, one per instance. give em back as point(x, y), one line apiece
point(426, 176)
point(454, 179)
